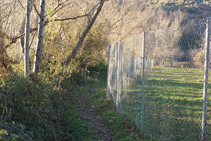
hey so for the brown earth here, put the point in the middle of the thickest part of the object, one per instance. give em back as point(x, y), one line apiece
point(101, 132)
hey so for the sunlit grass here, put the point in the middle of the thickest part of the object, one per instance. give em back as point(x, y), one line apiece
point(173, 103)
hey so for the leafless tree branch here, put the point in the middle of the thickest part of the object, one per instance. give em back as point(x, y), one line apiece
point(35, 8)
point(14, 39)
point(21, 5)
point(72, 18)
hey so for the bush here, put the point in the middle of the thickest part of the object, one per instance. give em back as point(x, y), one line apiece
point(98, 71)
point(76, 78)
point(187, 42)
point(29, 109)
point(81, 77)
point(199, 59)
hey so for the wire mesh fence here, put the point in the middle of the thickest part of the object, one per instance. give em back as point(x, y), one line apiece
point(173, 81)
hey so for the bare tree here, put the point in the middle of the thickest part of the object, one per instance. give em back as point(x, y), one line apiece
point(27, 37)
point(40, 38)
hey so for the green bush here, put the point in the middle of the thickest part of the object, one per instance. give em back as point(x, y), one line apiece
point(190, 40)
point(98, 71)
point(28, 109)
point(76, 78)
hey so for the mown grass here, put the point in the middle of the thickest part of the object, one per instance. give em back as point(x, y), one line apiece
point(173, 103)
point(123, 128)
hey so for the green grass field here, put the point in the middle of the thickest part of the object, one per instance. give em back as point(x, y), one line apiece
point(173, 103)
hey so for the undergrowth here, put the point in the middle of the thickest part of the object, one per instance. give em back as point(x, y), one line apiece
point(39, 111)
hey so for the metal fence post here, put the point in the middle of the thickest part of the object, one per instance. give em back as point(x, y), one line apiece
point(108, 73)
point(206, 71)
point(143, 73)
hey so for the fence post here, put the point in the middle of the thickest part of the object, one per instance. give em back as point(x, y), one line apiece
point(108, 73)
point(117, 80)
point(143, 73)
point(206, 71)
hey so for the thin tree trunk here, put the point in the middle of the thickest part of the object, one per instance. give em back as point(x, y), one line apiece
point(3, 53)
point(82, 37)
point(37, 58)
point(1, 39)
point(22, 30)
point(27, 38)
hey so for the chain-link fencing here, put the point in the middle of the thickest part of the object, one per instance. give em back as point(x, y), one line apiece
point(173, 78)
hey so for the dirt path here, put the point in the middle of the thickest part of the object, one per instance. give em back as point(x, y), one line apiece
point(101, 132)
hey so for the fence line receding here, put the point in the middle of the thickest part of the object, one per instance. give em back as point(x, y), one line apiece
point(172, 96)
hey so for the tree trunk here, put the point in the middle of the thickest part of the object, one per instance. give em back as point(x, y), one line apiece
point(3, 53)
point(82, 37)
point(27, 38)
point(1, 40)
point(37, 58)
point(22, 30)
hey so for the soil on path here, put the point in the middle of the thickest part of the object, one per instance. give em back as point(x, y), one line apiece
point(101, 132)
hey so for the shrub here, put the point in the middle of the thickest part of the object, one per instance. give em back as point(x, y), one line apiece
point(187, 42)
point(99, 70)
point(76, 78)
point(33, 109)
point(81, 77)
point(199, 59)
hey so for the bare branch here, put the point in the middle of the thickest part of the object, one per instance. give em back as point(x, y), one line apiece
point(125, 14)
point(56, 8)
point(35, 8)
point(73, 18)
point(21, 5)
point(14, 39)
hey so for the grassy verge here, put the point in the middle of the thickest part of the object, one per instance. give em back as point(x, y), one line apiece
point(123, 128)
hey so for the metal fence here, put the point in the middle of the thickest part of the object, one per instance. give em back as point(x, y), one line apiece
point(160, 80)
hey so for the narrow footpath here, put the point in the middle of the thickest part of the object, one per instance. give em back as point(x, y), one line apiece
point(101, 132)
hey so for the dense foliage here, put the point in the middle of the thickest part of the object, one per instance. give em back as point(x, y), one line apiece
point(37, 110)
